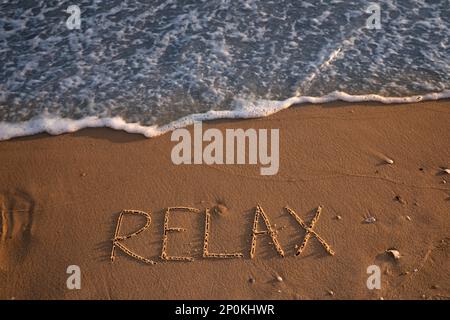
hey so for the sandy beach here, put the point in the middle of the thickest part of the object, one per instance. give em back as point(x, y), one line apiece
point(61, 196)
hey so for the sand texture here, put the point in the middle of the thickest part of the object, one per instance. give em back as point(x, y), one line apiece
point(61, 198)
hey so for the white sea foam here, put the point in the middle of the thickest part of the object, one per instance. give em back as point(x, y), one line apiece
point(243, 109)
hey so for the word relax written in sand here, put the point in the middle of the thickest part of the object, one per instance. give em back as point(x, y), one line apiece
point(118, 240)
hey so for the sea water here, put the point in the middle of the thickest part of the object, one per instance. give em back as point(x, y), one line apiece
point(152, 66)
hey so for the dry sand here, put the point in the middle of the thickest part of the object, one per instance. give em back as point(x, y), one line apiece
point(60, 198)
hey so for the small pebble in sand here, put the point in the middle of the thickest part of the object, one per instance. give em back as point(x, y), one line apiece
point(399, 199)
point(220, 209)
point(370, 220)
point(338, 217)
point(331, 292)
point(424, 296)
point(394, 253)
point(381, 298)
point(444, 181)
point(416, 270)
point(446, 170)
point(252, 280)
point(389, 161)
point(279, 291)
point(408, 218)
point(84, 174)
point(279, 279)
point(434, 287)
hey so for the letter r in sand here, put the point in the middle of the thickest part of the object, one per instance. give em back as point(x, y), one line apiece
point(118, 239)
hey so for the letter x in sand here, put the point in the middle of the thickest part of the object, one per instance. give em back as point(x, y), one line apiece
point(309, 231)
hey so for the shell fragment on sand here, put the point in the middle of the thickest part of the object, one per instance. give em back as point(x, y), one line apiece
point(370, 220)
point(394, 253)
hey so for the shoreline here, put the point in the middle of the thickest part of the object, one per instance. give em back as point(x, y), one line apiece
point(247, 110)
point(61, 196)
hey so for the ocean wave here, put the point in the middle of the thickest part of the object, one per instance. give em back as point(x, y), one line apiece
point(143, 65)
point(242, 109)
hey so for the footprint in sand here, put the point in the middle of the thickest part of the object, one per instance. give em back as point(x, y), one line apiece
point(16, 221)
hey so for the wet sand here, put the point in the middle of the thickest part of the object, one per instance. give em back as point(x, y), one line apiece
point(61, 197)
